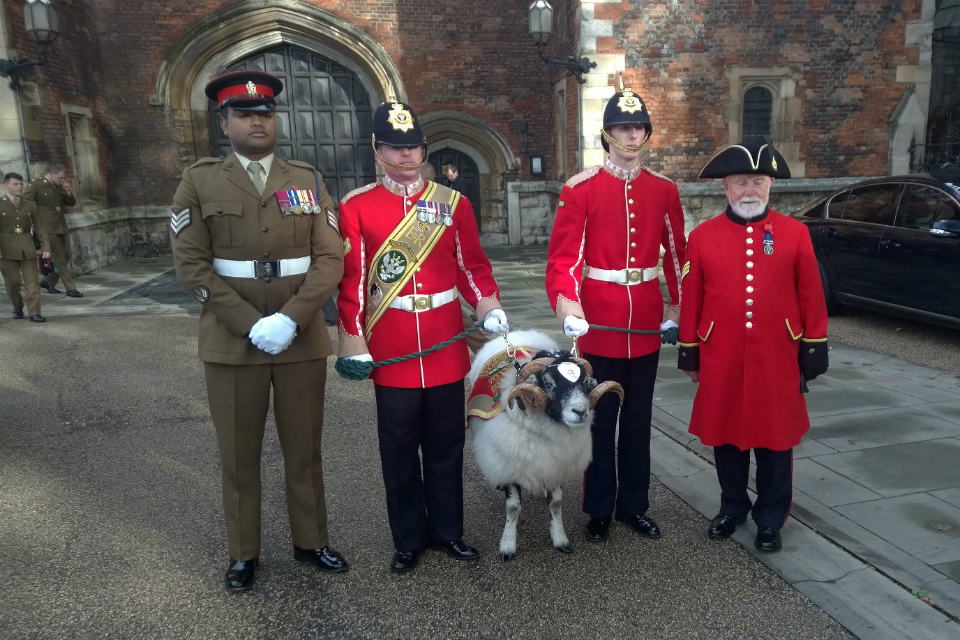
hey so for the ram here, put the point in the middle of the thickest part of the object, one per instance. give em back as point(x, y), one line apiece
point(530, 412)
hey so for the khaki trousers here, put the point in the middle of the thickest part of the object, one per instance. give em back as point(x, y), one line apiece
point(238, 398)
point(61, 253)
point(11, 270)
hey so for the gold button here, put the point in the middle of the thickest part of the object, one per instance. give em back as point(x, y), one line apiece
point(419, 285)
point(749, 289)
point(632, 230)
point(633, 245)
point(749, 252)
point(630, 201)
point(632, 260)
point(408, 203)
point(749, 265)
point(749, 240)
point(749, 229)
point(632, 216)
point(749, 325)
point(418, 269)
point(750, 277)
point(749, 302)
point(749, 314)
point(629, 187)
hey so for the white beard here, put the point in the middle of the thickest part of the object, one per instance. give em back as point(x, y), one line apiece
point(748, 208)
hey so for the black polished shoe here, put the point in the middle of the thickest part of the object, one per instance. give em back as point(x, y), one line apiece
point(37, 318)
point(598, 528)
point(49, 287)
point(768, 539)
point(18, 313)
point(73, 293)
point(404, 561)
point(325, 559)
point(639, 523)
point(240, 574)
point(456, 550)
point(722, 527)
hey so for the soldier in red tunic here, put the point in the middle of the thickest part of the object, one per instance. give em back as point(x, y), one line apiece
point(603, 270)
point(753, 330)
point(410, 246)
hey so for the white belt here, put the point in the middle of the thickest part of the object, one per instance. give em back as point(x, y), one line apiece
point(418, 303)
point(624, 276)
point(261, 268)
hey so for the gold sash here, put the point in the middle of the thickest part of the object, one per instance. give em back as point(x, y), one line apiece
point(409, 244)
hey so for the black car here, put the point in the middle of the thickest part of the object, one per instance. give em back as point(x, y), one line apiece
point(891, 245)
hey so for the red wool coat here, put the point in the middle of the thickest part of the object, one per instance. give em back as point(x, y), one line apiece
point(749, 312)
point(367, 218)
point(615, 222)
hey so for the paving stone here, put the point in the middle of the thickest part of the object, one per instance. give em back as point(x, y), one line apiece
point(810, 447)
point(922, 389)
point(850, 432)
point(806, 556)
point(950, 496)
point(855, 398)
point(668, 458)
point(901, 469)
point(827, 486)
point(669, 393)
point(947, 410)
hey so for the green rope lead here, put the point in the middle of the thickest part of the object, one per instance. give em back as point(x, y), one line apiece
point(667, 336)
point(359, 370)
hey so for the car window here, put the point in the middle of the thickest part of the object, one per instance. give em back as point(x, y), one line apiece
point(871, 204)
point(921, 206)
point(834, 207)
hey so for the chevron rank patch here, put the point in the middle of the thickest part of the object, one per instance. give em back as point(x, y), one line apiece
point(333, 220)
point(179, 221)
point(685, 271)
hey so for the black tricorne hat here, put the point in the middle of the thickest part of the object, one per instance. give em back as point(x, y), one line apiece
point(752, 156)
point(245, 89)
point(625, 107)
point(396, 124)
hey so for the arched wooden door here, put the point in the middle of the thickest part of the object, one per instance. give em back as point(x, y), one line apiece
point(323, 117)
point(467, 169)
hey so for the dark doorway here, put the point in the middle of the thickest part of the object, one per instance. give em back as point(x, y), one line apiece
point(323, 117)
point(467, 169)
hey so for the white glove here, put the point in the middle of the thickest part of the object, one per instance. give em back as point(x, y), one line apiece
point(669, 324)
point(273, 334)
point(496, 322)
point(575, 327)
point(361, 357)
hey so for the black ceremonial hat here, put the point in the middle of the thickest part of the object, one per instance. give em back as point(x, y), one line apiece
point(245, 89)
point(752, 156)
point(626, 107)
point(395, 124)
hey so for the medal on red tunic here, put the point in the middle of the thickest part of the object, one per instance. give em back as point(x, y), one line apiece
point(768, 239)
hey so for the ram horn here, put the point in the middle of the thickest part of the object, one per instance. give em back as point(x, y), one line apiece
point(583, 363)
point(534, 367)
point(603, 388)
point(534, 398)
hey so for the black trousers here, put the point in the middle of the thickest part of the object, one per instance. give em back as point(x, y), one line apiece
point(774, 484)
point(423, 501)
point(628, 458)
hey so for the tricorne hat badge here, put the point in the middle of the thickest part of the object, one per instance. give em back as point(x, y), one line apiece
point(629, 103)
point(251, 88)
point(400, 118)
point(773, 162)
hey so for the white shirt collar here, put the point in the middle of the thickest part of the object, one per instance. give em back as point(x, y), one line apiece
point(266, 163)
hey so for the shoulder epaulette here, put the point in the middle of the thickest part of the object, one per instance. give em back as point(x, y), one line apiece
point(298, 163)
point(659, 175)
point(358, 191)
point(583, 176)
point(205, 161)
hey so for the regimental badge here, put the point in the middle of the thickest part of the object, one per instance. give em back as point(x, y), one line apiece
point(202, 293)
point(251, 88)
point(629, 103)
point(347, 246)
point(391, 267)
point(768, 238)
point(400, 118)
point(179, 221)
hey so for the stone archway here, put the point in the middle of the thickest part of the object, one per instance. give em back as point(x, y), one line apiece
point(490, 152)
point(225, 37)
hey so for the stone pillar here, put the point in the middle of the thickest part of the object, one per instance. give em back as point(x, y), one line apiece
point(597, 90)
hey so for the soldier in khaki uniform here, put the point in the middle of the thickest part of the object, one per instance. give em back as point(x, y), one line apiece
point(53, 194)
point(256, 240)
point(18, 255)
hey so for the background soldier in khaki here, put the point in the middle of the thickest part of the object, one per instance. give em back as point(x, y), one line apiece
point(18, 255)
point(53, 194)
point(256, 240)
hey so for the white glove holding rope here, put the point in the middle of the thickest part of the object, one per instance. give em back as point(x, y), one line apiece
point(273, 333)
point(360, 357)
point(575, 326)
point(496, 322)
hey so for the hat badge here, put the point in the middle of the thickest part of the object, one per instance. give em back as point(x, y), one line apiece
point(251, 88)
point(629, 103)
point(400, 118)
point(773, 162)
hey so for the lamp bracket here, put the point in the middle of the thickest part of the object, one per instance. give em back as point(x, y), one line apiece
point(576, 66)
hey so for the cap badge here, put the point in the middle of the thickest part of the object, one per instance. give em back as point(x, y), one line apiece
point(629, 103)
point(400, 118)
point(251, 88)
point(773, 163)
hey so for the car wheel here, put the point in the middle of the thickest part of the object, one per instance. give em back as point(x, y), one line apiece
point(833, 305)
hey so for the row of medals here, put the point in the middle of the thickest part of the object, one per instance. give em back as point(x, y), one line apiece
point(424, 215)
point(303, 207)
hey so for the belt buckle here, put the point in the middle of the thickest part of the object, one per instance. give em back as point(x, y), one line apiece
point(422, 303)
point(267, 269)
point(634, 275)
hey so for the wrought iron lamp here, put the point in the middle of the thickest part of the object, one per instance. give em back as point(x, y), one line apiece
point(42, 24)
point(541, 28)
